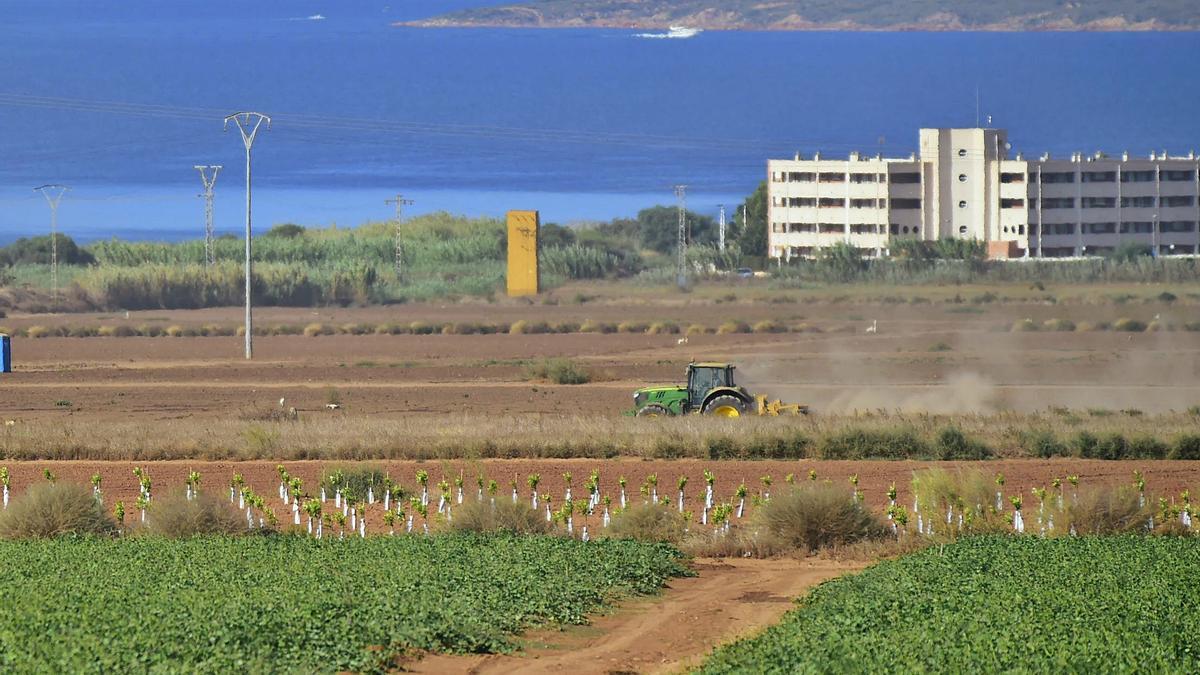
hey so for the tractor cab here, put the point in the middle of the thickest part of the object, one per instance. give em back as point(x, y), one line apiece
point(710, 390)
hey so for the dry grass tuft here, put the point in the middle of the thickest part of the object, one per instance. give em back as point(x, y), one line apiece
point(55, 509)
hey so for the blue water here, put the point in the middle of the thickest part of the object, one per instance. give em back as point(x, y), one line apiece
point(581, 124)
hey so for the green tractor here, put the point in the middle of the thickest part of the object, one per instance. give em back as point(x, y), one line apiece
point(710, 390)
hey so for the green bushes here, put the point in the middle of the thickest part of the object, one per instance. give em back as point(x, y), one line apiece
point(55, 509)
point(817, 515)
point(864, 444)
point(559, 371)
point(176, 516)
point(1104, 510)
point(648, 522)
point(494, 516)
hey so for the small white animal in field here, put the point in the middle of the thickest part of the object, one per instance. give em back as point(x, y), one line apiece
point(682, 341)
point(874, 327)
point(282, 401)
point(332, 406)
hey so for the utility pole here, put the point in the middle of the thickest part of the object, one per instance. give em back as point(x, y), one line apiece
point(681, 237)
point(400, 203)
point(53, 194)
point(721, 229)
point(210, 255)
point(248, 124)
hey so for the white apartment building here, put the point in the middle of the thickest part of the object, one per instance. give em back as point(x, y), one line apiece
point(962, 184)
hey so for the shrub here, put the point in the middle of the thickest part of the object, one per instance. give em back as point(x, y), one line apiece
point(1092, 326)
point(1129, 325)
point(389, 329)
point(1186, 446)
point(1042, 444)
point(590, 326)
point(54, 509)
point(1059, 325)
point(732, 327)
point(1104, 510)
point(648, 522)
point(501, 516)
point(37, 332)
point(176, 516)
point(565, 327)
point(1147, 447)
point(662, 328)
point(769, 326)
point(420, 328)
point(861, 444)
point(941, 347)
point(952, 443)
point(174, 331)
point(631, 327)
point(1024, 326)
point(354, 483)
point(696, 329)
point(518, 327)
point(87, 331)
point(150, 330)
point(810, 517)
point(315, 329)
point(559, 371)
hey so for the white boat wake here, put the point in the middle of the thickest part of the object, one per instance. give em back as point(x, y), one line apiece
point(674, 33)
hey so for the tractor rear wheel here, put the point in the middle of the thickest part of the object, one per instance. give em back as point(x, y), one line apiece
point(726, 406)
point(653, 410)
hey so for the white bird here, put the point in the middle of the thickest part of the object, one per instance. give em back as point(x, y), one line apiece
point(332, 406)
point(682, 341)
point(282, 401)
point(874, 327)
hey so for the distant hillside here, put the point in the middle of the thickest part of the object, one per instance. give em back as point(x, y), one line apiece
point(942, 15)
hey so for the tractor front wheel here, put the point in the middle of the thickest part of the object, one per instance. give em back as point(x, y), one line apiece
point(726, 406)
point(653, 410)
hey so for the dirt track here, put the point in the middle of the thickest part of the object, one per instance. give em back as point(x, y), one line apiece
point(729, 599)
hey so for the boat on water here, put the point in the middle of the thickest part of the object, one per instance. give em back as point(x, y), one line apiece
point(673, 33)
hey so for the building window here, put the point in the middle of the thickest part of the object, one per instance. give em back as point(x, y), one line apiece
point(831, 177)
point(1137, 177)
point(1176, 176)
point(1177, 226)
point(1012, 203)
point(962, 152)
point(1012, 178)
point(1098, 202)
point(1101, 228)
point(1058, 177)
point(862, 228)
point(1098, 177)
point(962, 177)
point(962, 204)
point(862, 203)
point(1137, 227)
point(962, 229)
point(802, 202)
point(1020, 229)
point(906, 203)
point(862, 178)
point(895, 229)
point(801, 177)
point(800, 228)
point(1137, 202)
point(831, 228)
point(883, 178)
point(906, 178)
point(1033, 229)
point(831, 202)
point(1058, 202)
point(1060, 228)
point(1177, 201)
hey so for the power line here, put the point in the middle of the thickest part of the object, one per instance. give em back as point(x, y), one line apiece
point(210, 257)
point(53, 194)
point(400, 203)
point(248, 124)
point(681, 237)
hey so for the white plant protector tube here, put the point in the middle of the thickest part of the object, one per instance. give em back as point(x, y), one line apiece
point(607, 518)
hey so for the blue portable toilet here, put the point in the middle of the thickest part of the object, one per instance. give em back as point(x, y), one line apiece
point(5, 354)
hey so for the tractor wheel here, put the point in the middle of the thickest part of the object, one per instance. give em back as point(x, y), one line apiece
point(653, 410)
point(726, 406)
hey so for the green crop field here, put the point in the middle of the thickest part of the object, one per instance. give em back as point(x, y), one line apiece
point(996, 604)
point(295, 604)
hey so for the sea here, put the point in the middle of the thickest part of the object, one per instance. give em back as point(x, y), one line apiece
point(119, 100)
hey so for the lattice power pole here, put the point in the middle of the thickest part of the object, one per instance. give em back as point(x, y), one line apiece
point(210, 254)
point(248, 124)
point(721, 229)
point(400, 203)
point(53, 194)
point(681, 237)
